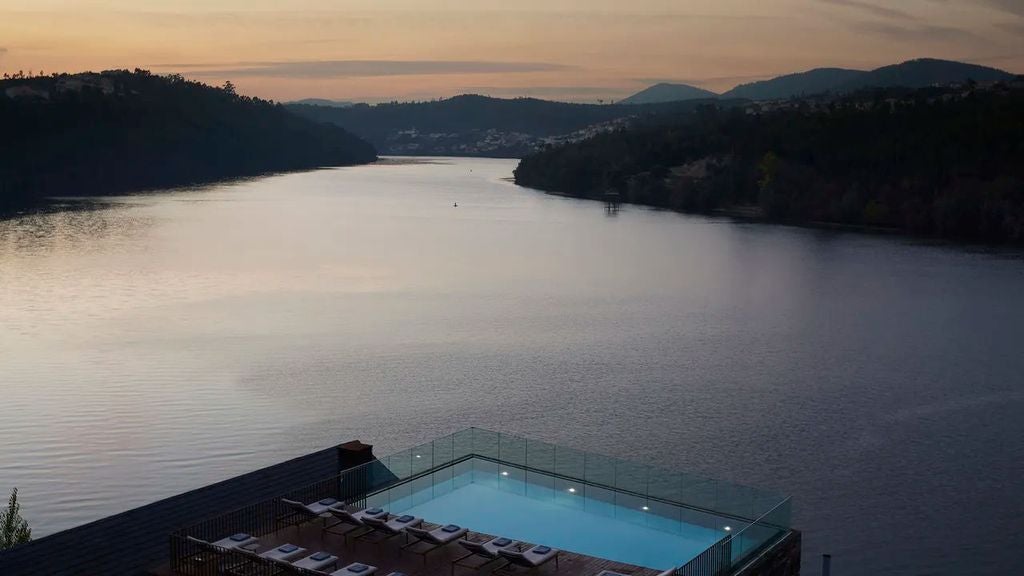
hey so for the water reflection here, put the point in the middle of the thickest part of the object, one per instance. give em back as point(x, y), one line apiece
point(155, 343)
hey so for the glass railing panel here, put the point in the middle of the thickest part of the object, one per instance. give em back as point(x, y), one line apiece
point(421, 490)
point(486, 443)
point(422, 458)
point(399, 498)
point(462, 473)
point(735, 500)
point(443, 480)
point(665, 486)
point(486, 473)
point(631, 508)
point(600, 470)
point(665, 517)
point(400, 464)
point(761, 532)
point(631, 477)
point(443, 450)
point(540, 455)
point(540, 486)
point(570, 493)
point(569, 462)
point(512, 449)
point(698, 492)
point(600, 501)
point(462, 443)
point(512, 479)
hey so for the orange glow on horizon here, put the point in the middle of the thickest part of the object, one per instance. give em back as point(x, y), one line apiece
point(583, 50)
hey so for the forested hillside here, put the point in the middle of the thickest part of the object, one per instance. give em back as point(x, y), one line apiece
point(944, 162)
point(121, 131)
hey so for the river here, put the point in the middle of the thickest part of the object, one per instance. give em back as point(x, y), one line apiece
point(154, 343)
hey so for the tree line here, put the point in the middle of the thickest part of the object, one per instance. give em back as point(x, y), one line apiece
point(122, 131)
point(941, 162)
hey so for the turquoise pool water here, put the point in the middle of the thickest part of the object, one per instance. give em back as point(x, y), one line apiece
point(555, 513)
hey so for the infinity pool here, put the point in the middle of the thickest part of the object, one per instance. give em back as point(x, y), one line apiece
point(542, 509)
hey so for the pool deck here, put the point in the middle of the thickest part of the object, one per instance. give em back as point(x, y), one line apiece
point(388, 557)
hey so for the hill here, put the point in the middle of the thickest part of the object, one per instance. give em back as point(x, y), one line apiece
point(817, 81)
point(668, 93)
point(122, 131)
point(323, 102)
point(911, 74)
point(922, 73)
point(931, 161)
point(473, 125)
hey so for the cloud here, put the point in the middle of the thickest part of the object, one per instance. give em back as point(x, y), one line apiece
point(1013, 27)
point(1011, 6)
point(919, 32)
point(873, 9)
point(358, 68)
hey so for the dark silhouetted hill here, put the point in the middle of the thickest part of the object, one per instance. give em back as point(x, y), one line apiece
point(911, 74)
point(323, 102)
point(932, 161)
point(922, 73)
point(817, 81)
point(120, 131)
point(472, 125)
point(668, 93)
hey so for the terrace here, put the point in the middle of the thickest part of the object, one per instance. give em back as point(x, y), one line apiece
point(599, 513)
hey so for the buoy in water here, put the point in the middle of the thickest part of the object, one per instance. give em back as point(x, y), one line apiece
point(456, 205)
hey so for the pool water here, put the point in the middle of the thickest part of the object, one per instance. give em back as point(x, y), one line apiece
point(557, 517)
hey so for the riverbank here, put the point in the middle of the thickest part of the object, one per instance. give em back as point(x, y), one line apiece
point(119, 132)
point(935, 163)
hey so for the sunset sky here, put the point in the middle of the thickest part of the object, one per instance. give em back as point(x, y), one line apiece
point(582, 50)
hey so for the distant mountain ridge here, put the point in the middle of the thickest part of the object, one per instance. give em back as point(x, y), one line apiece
point(665, 92)
point(475, 125)
point(918, 73)
point(815, 81)
point(323, 102)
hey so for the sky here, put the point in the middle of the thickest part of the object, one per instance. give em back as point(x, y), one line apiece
point(577, 50)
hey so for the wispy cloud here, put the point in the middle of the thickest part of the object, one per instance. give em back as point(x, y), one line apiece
point(357, 68)
point(873, 9)
point(1013, 27)
point(918, 32)
point(1011, 6)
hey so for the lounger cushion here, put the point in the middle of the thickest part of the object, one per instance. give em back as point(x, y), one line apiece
point(320, 556)
point(374, 511)
point(329, 501)
point(240, 537)
point(451, 528)
point(540, 550)
point(288, 548)
point(358, 568)
point(501, 542)
point(405, 518)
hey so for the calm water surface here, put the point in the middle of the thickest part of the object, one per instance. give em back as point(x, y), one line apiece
point(165, 341)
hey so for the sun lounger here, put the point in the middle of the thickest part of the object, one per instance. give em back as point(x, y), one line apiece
point(533, 557)
point(353, 519)
point(487, 551)
point(286, 552)
point(299, 512)
point(389, 528)
point(433, 539)
point(355, 570)
point(317, 561)
point(235, 541)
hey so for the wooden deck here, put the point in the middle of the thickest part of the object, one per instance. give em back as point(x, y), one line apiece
point(387, 556)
